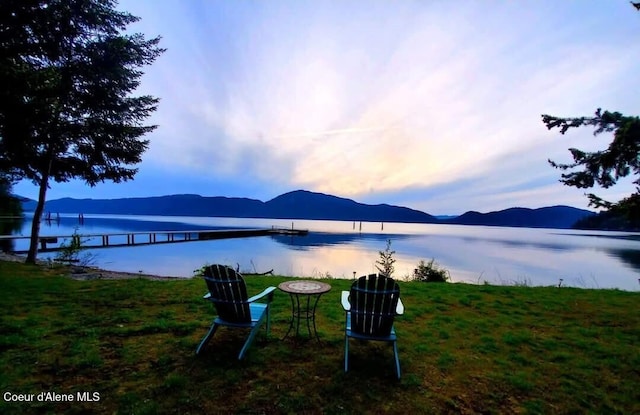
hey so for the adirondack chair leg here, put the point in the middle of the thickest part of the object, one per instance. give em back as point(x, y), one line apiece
point(346, 353)
point(268, 319)
point(206, 338)
point(395, 353)
point(252, 335)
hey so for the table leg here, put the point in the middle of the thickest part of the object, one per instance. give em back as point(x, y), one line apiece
point(293, 315)
point(297, 315)
point(313, 316)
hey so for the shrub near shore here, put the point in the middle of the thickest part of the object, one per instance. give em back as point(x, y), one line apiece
point(463, 349)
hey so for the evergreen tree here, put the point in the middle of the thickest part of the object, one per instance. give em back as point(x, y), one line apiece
point(68, 69)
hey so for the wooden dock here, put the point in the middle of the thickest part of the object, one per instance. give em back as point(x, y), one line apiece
point(112, 240)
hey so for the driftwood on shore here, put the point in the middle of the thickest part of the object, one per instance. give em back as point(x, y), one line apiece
point(270, 272)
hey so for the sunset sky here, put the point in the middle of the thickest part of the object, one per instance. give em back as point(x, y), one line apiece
point(434, 105)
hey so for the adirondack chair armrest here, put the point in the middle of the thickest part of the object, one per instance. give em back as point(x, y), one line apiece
point(400, 307)
point(269, 291)
point(345, 301)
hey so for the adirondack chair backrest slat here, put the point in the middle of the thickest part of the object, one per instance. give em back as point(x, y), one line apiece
point(228, 293)
point(373, 299)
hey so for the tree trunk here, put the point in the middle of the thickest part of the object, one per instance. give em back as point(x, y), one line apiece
point(37, 216)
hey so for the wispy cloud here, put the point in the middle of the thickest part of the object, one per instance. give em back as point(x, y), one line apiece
point(384, 98)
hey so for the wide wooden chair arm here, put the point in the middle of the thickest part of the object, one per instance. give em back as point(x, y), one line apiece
point(268, 291)
point(345, 301)
point(400, 307)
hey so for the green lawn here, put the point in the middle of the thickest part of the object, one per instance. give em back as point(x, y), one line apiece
point(463, 349)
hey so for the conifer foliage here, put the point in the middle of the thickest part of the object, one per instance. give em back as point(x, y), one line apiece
point(605, 167)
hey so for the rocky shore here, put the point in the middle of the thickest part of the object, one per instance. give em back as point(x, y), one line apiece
point(87, 272)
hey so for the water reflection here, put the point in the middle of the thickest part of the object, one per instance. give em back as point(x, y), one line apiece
point(471, 253)
point(327, 239)
point(318, 239)
point(630, 257)
point(9, 226)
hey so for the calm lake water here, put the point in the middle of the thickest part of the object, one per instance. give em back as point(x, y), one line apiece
point(473, 254)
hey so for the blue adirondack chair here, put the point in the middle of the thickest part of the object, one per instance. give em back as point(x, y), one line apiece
point(371, 306)
point(228, 293)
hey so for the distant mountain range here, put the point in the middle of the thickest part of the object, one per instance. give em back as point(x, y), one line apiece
point(546, 217)
point(302, 204)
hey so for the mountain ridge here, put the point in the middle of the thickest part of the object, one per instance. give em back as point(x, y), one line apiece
point(557, 216)
point(304, 204)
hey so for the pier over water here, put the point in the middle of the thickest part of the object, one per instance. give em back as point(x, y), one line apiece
point(110, 240)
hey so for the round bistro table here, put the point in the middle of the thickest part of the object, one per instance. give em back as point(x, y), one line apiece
point(311, 291)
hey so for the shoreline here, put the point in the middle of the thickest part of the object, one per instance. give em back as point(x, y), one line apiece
point(86, 273)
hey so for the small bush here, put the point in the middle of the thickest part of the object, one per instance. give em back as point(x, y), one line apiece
point(74, 251)
point(386, 261)
point(430, 272)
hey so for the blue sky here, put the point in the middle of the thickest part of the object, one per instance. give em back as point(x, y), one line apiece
point(434, 105)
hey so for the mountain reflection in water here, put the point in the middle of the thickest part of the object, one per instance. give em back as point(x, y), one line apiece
point(472, 253)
